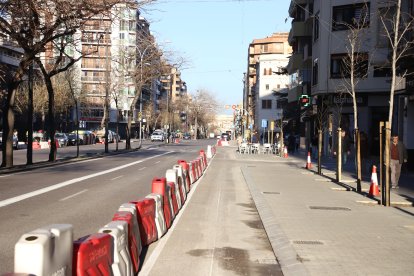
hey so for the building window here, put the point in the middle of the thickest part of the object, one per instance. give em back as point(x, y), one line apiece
point(316, 28)
point(350, 16)
point(340, 66)
point(266, 104)
point(265, 48)
point(267, 87)
point(315, 72)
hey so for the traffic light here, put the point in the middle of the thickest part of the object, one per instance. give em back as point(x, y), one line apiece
point(304, 100)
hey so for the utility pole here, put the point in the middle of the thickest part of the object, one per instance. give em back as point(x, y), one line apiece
point(106, 92)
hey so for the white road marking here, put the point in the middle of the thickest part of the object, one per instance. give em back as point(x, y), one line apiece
point(72, 181)
point(157, 162)
point(117, 177)
point(65, 198)
point(143, 168)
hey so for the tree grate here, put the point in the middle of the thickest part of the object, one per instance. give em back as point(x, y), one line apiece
point(271, 193)
point(329, 208)
point(308, 242)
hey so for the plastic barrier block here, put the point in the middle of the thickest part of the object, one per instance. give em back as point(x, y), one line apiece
point(181, 182)
point(186, 172)
point(134, 240)
point(159, 186)
point(130, 207)
point(122, 264)
point(159, 214)
point(146, 220)
point(45, 251)
point(174, 197)
point(92, 255)
point(171, 176)
point(195, 170)
point(192, 173)
point(200, 165)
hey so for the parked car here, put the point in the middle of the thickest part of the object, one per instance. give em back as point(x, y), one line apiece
point(15, 141)
point(62, 139)
point(157, 135)
point(186, 136)
point(225, 136)
point(72, 139)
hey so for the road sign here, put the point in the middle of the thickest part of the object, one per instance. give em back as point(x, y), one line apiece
point(233, 106)
point(264, 123)
point(272, 125)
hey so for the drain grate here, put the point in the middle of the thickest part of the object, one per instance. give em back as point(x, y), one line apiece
point(308, 242)
point(271, 193)
point(329, 208)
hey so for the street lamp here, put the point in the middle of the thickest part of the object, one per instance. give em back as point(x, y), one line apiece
point(142, 54)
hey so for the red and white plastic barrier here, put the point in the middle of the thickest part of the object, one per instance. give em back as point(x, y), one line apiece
point(191, 172)
point(122, 264)
point(92, 255)
point(174, 198)
point(146, 220)
point(171, 176)
point(159, 214)
point(180, 178)
point(159, 186)
point(45, 251)
point(134, 240)
point(115, 250)
point(186, 171)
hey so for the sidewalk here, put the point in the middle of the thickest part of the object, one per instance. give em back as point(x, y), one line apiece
point(262, 214)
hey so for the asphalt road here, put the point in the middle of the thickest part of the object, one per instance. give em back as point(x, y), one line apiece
point(85, 194)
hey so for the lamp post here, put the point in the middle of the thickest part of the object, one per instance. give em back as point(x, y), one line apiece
point(141, 55)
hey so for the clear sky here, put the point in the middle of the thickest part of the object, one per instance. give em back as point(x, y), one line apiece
point(213, 36)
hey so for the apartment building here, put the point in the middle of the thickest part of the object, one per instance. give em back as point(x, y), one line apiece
point(320, 40)
point(269, 105)
point(266, 57)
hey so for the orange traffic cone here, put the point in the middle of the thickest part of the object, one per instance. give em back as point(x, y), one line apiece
point(309, 162)
point(285, 153)
point(373, 189)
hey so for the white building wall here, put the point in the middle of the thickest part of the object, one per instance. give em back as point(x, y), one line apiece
point(267, 84)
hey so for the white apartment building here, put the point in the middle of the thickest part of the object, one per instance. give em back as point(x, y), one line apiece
point(268, 108)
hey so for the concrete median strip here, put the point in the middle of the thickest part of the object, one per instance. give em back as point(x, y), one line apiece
point(282, 248)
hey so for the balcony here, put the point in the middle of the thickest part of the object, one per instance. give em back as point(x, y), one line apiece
point(294, 4)
point(294, 93)
point(299, 29)
point(295, 62)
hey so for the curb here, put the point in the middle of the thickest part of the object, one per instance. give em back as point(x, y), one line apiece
point(282, 248)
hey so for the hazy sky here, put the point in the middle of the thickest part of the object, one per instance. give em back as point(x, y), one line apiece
point(214, 37)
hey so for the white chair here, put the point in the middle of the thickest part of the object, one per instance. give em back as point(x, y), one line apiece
point(267, 148)
point(256, 148)
point(243, 148)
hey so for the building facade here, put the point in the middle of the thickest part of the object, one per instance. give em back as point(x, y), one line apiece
point(321, 36)
point(276, 44)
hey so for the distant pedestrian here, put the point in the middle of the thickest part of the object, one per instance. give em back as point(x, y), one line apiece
point(345, 147)
point(398, 156)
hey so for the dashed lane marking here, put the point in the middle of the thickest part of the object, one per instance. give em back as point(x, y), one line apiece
point(68, 197)
point(72, 181)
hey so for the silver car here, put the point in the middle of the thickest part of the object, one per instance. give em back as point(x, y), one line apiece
point(157, 136)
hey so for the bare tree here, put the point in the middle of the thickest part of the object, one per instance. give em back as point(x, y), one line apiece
point(202, 107)
point(354, 67)
point(34, 25)
point(396, 27)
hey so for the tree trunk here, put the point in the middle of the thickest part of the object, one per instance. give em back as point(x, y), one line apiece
point(339, 157)
point(358, 159)
point(51, 117)
point(320, 152)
